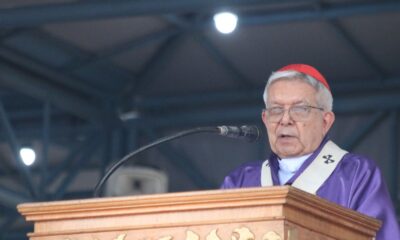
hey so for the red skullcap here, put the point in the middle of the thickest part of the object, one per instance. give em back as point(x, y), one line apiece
point(308, 70)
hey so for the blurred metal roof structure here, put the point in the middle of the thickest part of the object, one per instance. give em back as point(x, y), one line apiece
point(86, 82)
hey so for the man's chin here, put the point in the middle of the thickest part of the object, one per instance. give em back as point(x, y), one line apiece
point(288, 152)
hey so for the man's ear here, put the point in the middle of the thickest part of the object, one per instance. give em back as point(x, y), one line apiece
point(328, 118)
point(264, 117)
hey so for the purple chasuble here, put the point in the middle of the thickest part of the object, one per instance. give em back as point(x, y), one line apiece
point(356, 183)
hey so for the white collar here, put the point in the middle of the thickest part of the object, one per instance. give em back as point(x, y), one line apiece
point(291, 165)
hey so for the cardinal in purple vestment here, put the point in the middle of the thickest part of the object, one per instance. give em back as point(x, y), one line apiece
point(297, 117)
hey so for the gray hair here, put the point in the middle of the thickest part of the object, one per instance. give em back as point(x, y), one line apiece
point(324, 96)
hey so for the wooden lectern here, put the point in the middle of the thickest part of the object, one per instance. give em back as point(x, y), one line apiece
point(274, 213)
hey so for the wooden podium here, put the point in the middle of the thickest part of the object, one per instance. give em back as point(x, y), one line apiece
point(274, 213)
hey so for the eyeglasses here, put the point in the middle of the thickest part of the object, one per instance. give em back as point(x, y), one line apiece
point(297, 113)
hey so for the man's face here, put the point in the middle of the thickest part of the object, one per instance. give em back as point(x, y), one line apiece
point(289, 138)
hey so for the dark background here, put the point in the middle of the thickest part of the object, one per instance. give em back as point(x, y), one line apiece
point(86, 82)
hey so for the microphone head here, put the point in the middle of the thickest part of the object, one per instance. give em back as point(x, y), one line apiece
point(250, 133)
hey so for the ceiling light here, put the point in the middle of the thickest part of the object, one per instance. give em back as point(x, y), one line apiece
point(225, 22)
point(27, 155)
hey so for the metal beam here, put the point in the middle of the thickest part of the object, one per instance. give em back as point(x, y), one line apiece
point(33, 86)
point(213, 51)
point(10, 198)
point(325, 13)
point(24, 171)
point(341, 92)
point(361, 132)
point(220, 107)
point(154, 66)
point(62, 133)
point(367, 86)
point(87, 10)
point(75, 150)
point(107, 145)
point(363, 54)
point(367, 103)
point(25, 49)
point(249, 114)
point(182, 162)
point(45, 149)
point(194, 100)
point(51, 74)
point(225, 108)
point(74, 170)
point(130, 45)
point(362, 89)
point(10, 220)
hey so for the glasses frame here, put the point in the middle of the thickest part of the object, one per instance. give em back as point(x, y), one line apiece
point(289, 112)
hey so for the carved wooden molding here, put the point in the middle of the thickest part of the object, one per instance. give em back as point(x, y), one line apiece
point(242, 233)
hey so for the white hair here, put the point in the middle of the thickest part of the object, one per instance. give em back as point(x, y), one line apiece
point(324, 96)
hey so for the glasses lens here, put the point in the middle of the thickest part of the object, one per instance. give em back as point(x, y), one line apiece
point(299, 113)
point(274, 114)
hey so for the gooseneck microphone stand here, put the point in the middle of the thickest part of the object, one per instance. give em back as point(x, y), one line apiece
point(117, 164)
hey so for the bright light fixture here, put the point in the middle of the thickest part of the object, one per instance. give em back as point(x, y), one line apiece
point(28, 156)
point(225, 22)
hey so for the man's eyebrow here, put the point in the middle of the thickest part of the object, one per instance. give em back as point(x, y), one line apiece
point(299, 102)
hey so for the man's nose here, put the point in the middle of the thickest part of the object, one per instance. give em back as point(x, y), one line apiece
point(286, 118)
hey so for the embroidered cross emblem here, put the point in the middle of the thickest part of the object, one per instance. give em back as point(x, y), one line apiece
point(328, 159)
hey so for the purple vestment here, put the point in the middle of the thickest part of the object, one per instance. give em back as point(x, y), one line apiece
point(356, 183)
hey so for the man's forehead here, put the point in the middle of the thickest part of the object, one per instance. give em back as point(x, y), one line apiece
point(290, 80)
point(295, 102)
point(291, 87)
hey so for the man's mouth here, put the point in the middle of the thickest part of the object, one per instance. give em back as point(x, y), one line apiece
point(285, 136)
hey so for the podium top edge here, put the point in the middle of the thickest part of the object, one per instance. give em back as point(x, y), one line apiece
point(217, 194)
point(286, 196)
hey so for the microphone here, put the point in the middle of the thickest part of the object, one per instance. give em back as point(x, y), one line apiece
point(249, 133)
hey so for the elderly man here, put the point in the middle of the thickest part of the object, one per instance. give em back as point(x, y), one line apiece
point(297, 116)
